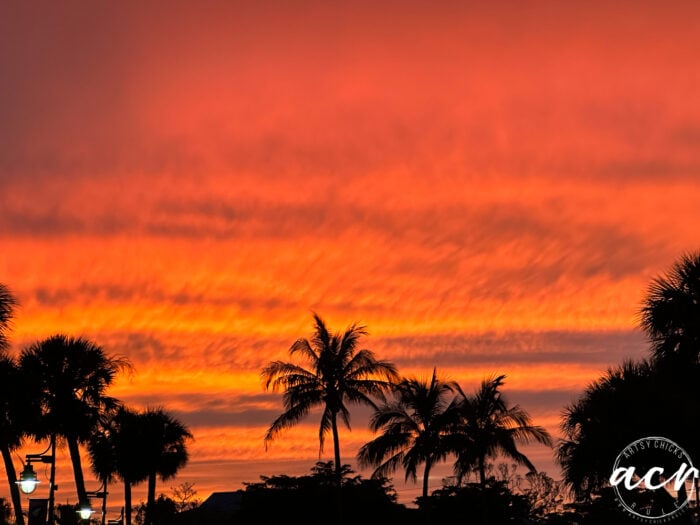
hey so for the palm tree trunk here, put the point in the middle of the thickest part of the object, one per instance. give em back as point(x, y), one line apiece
point(12, 478)
point(336, 446)
point(338, 470)
point(151, 505)
point(127, 501)
point(77, 468)
point(426, 478)
point(104, 502)
point(482, 472)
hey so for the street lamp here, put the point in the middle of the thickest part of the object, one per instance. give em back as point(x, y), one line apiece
point(85, 511)
point(28, 479)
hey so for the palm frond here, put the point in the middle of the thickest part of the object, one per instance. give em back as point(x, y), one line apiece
point(282, 374)
point(286, 420)
point(303, 347)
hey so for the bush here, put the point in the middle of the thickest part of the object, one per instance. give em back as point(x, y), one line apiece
point(493, 504)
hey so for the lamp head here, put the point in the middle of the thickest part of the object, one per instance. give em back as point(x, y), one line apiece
point(27, 479)
point(85, 511)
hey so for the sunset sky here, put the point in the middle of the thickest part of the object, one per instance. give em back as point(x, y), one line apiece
point(489, 187)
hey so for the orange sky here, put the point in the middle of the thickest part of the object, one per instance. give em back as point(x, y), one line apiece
point(489, 188)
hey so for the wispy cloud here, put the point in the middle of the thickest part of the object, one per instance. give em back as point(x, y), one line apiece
point(489, 188)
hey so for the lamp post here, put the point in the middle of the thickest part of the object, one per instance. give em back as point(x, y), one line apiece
point(28, 479)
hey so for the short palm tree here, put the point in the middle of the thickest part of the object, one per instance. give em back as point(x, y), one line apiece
point(636, 398)
point(336, 373)
point(162, 449)
point(671, 312)
point(102, 451)
point(414, 429)
point(116, 450)
point(490, 427)
point(71, 377)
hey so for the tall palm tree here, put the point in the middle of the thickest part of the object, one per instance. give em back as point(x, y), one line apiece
point(490, 427)
point(11, 432)
point(8, 304)
point(161, 451)
point(671, 312)
point(337, 373)
point(15, 408)
point(72, 376)
point(414, 426)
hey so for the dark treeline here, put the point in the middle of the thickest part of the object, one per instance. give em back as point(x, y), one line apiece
point(418, 422)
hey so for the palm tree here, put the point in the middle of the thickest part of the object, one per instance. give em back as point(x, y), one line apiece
point(8, 303)
point(72, 376)
point(671, 312)
point(116, 450)
point(101, 447)
point(15, 409)
point(634, 399)
point(670, 317)
point(161, 450)
point(490, 427)
point(337, 373)
point(11, 432)
point(414, 429)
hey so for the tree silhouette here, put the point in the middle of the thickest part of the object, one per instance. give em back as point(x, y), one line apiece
point(600, 424)
point(650, 397)
point(337, 373)
point(117, 450)
point(414, 428)
point(71, 377)
point(162, 450)
point(8, 304)
point(630, 401)
point(105, 454)
point(15, 408)
point(490, 427)
point(309, 499)
point(11, 430)
point(671, 312)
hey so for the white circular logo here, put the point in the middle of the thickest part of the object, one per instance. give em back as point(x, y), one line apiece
point(652, 479)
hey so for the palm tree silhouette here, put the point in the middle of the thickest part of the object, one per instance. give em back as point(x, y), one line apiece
point(8, 304)
point(671, 312)
point(103, 451)
point(162, 449)
point(635, 399)
point(597, 426)
point(490, 427)
point(337, 374)
point(16, 407)
point(116, 450)
point(71, 377)
point(670, 317)
point(11, 431)
point(414, 429)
